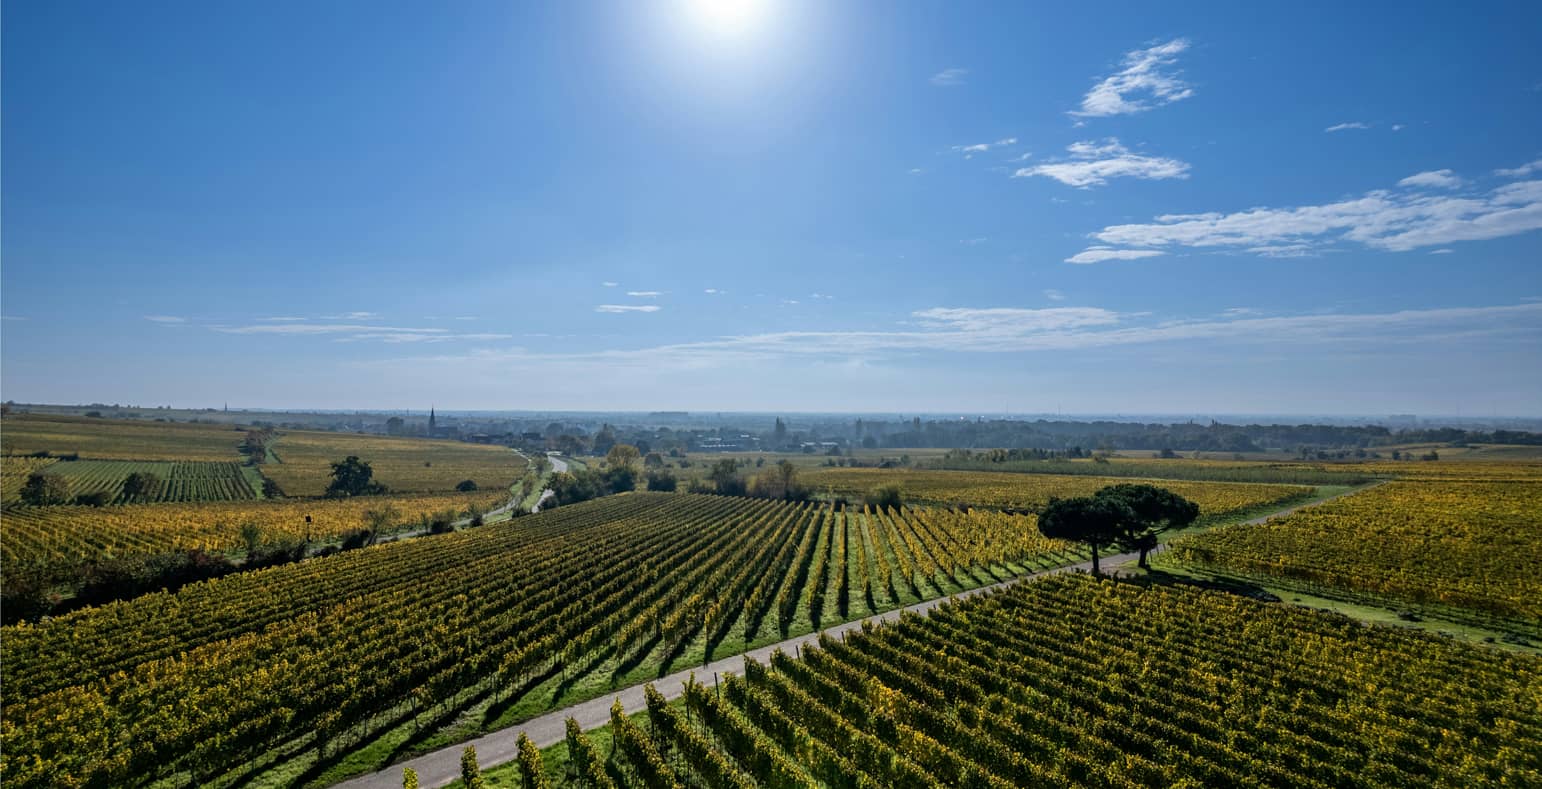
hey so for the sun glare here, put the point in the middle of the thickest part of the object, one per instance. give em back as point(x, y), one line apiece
point(728, 18)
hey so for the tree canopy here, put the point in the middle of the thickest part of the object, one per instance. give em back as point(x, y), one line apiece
point(1155, 509)
point(1093, 521)
point(353, 477)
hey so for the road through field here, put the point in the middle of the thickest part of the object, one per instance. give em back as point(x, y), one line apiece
point(441, 767)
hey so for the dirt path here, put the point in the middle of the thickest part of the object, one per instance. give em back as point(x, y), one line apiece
point(438, 768)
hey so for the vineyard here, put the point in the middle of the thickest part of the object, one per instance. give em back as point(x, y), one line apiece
point(114, 439)
point(404, 465)
point(1031, 491)
point(1071, 681)
point(180, 480)
point(1467, 545)
point(68, 534)
point(264, 666)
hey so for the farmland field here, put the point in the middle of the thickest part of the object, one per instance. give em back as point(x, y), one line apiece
point(69, 534)
point(1032, 491)
point(186, 481)
point(404, 465)
point(1071, 681)
point(1463, 544)
point(565, 602)
point(24, 434)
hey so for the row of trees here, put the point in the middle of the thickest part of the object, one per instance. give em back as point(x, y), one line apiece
point(46, 490)
point(1129, 516)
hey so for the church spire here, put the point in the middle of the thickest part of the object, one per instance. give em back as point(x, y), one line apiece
point(431, 421)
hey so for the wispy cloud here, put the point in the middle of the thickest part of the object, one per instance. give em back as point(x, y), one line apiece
point(1100, 254)
point(714, 292)
point(973, 242)
point(320, 328)
point(1438, 179)
point(352, 316)
point(916, 171)
point(1338, 127)
point(283, 318)
point(1442, 251)
point(1146, 81)
point(610, 284)
point(165, 319)
point(1016, 330)
point(1390, 220)
point(949, 77)
point(11, 318)
point(982, 147)
point(358, 332)
point(1053, 294)
point(619, 308)
point(645, 294)
point(1092, 163)
point(1534, 166)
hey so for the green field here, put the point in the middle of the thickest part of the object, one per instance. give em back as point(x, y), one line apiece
point(181, 481)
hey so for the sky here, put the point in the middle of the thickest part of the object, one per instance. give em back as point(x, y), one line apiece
point(1240, 208)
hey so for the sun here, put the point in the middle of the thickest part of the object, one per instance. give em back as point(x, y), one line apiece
point(727, 18)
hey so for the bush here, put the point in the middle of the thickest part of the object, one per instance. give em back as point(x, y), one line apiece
point(662, 481)
point(97, 499)
point(466, 486)
point(885, 497)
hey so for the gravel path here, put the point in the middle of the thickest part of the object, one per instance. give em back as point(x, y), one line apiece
point(438, 768)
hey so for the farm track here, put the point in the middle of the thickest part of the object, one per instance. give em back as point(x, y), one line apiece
point(442, 767)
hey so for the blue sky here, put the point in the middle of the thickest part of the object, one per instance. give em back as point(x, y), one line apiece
point(1305, 208)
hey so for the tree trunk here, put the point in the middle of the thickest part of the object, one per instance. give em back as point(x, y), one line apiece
point(1095, 570)
point(1143, 564)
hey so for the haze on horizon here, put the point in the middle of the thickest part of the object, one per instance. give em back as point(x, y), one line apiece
point(774, 206)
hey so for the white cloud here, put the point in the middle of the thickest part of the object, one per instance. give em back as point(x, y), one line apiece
point(1145, 82)
point(1524, 170)
point(396, 338)
point(1100, 254)
point(1438, 179)
point(321, 328)
point(714, 292)
point(1443, 251)
point(645, 294)
point(1053, 294)
point(1398, 127)
point(283, 318)
point(1337, 127)
point(619, 308)
point(824, 296)
point(1284, 251)
point(949, 77)
point(1092, 163)
point(166, 319)
point(465, 317)
point(352, 316)
point(982, 147)
point(916, 171)
point(1395, 221)
point(973, 242)
point(610, 284)
point(1016, 330)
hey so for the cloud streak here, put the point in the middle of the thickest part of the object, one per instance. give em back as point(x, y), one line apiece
point(949, 77)
point(622, 308)
point(1146, 81)
point(1389, 220)
point(1349, 126)
point(1092, 163)
point(1004, 330)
